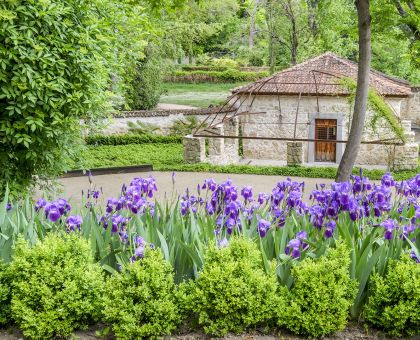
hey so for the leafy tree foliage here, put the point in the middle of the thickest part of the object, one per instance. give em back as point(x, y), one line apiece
point(56, 59)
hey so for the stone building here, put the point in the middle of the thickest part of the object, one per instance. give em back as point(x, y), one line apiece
point(307, 104)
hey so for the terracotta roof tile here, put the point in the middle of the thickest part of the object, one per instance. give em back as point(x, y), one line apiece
point(320, 75)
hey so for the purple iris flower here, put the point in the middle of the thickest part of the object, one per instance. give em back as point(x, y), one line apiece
point(329, 230)
point(9, 206)
point(262, 198)
point(63, 206)
point(246, 193)
point(389, 225)
point(41, 203)
point(302, 236)
point(74, 222)
point(294, 198)
point(263, 226)
point(293, 248)
point(367, 186)
point(417, 212)
point(414, 257)
point(209, 184)
point(139, 252)
point(139, 241)
point(387, 180)
point(52, 212)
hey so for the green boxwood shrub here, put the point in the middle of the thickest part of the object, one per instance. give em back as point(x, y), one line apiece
point(125, 139)
point(5, 294)
point(318, 302)
point(394, 301)
point(141, 300)
point(56, 286)
point(232, 292)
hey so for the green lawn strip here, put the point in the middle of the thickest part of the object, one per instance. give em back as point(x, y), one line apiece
point(199, 87)
point(169, 157)
point(199, 95)
point(132, 154)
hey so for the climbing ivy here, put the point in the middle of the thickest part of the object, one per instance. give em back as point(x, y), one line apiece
point(378, 106)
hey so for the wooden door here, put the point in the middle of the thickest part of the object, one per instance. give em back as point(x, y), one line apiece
point(325, 129)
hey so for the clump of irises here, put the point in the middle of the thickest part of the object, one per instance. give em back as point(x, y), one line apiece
point(361, 200)
point(394, 207)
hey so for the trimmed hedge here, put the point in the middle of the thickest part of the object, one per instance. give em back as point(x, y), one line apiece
point(230, 75)
point(233, 292)
point(56, 287)
point(319, 301)
point(140, 301)
point(394, 301)
point(124, 139)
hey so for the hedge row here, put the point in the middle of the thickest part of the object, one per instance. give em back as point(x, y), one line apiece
point(165, 154)
point(223, 68)
point(230, 75)
point(55, 287)
point(125, 139)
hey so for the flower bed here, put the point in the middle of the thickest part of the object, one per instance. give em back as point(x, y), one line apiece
point(219, 258)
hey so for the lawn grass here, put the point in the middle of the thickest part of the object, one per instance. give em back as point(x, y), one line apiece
point(132, 154)
point(169, 157)
point(199, 95)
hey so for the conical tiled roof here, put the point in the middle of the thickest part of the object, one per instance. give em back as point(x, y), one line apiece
point(320, 75)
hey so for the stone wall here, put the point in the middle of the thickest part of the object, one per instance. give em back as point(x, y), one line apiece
point(407, 156)
point(411, 106)
point(278, 119)
point(221, 151)
point(194, 149)
point(163, 119)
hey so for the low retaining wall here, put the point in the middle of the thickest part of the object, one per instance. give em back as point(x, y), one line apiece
point(164, 119)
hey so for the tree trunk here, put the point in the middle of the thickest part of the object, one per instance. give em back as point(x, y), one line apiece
point(313, 26)
point(252, 30)
point(360, 103)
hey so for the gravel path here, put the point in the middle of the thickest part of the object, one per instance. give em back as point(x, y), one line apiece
point(111, 184)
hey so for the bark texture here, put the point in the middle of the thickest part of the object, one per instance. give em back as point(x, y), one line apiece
point(360, 104)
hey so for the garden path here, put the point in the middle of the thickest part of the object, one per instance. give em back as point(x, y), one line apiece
point(111, 184)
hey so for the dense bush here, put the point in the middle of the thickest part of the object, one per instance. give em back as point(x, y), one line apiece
point(140, 301)
point(394, 301)
point(47, 84)
point(5, 294)
point(318, 302)
point(56, 286)
point(146, 86)
point(232, 292)
point(229, 75)
point(124, 139)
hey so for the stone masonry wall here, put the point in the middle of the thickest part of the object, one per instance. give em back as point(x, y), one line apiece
point(411, 106)
point(194, 149)
point(283, 110)
point(164, 122)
